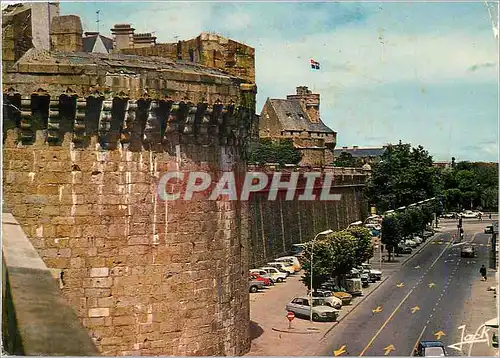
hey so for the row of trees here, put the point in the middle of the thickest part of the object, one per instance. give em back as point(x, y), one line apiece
point(470, 185)
point(336, 254)
point(406, 175)
point(406, 223)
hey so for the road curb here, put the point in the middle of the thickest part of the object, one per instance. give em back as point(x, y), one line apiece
point(354, 307)
point(427, 242)
point(297, 332)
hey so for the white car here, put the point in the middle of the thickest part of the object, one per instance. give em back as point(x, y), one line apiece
point(410, 243)
point(468, 214)
point(282, 266)
point(275, 274)
point(330, 299)
point(374, 273)
point(418, 240)
point(320, 311)
point(291, 259)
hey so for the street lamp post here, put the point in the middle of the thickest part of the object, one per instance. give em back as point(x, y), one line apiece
point(326, 232)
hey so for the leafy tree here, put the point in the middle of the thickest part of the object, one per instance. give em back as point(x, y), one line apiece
point(347, 160)
point(470, 185)
point(276, 151)
point(405, 175)
point(405, 223)
point(322, 259)
point(343, 246)
point(427, 214)
point(334, 256)
point(391, 232)
point(417, 220)
point(364, 247)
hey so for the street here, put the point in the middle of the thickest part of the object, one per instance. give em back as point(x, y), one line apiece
point(429, 298)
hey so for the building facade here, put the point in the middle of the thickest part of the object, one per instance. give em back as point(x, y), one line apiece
point(298, 117)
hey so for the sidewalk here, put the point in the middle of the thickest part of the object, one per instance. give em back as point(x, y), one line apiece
point(269, 326)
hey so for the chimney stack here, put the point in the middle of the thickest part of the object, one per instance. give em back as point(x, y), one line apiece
point(66, 34)
point(123, 36)
point(144, 40)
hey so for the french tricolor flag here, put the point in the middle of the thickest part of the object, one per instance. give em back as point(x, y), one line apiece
point(314, 65)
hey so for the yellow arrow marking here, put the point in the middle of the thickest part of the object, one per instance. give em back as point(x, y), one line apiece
point(377, 310)
point(415, 309)
point(439, 334)
point(432, 284)
point(339, 351)
point(401, 284)
point(389, 349)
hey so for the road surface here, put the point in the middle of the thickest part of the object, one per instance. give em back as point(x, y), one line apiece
point(424, 300)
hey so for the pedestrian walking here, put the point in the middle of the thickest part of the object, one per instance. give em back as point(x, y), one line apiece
point(489, 216)
point(480, 216)
point(482, 271)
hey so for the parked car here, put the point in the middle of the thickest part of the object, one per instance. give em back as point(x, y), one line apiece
point(330, 299)
point(365, 276)
point(402, 249)
point(256, 276)
point(428, 234)
point(275, 274)
point(468, 214)
point(418, 240)
point(263, 274)
point(468, 250)
point(450, 215)
point(255, 285)
point(354, 283)
point(282, 266)
point(430, 349)
point(375, 274)
point(320, 311)
point(488, 229)
point(294, 260)
point(411, 243)
point(338, 292)
point(298, 249)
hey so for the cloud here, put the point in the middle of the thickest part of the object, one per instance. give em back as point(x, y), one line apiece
point(481, 66)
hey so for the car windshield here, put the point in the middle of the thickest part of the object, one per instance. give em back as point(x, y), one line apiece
point(434, 352)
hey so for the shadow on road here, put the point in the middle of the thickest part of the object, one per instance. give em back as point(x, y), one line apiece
point(255, 330)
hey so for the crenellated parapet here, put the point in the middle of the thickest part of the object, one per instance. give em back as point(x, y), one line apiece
point(116, 118)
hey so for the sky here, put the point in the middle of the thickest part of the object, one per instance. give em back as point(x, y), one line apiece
point(422, 73)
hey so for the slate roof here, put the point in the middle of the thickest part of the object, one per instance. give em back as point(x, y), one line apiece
point(89, 42)
point(360, 152)
point(293, 117)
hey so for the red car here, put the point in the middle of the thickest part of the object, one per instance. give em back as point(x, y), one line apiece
point(254, 276)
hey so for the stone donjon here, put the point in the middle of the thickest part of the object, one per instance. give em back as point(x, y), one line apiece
point(298, 117)
point(86, 138)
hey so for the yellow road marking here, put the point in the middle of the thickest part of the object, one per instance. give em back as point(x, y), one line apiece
point(377, 310)
point(439, 334)
point(389, 349)
point(397, 308)
point(415, 309)
point(401, 284)
point(385, 323)
point(418, 340)
point(339, 351)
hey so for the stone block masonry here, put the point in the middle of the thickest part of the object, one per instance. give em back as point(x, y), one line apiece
point(83, 153)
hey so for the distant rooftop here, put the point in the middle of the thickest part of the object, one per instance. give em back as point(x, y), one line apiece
point(293, 117)
point(360, 152)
